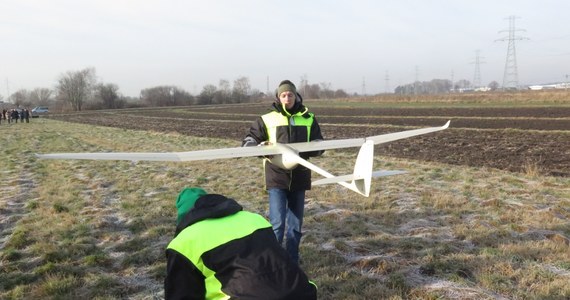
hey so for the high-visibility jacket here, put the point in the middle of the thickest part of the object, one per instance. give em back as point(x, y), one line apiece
point(222, 252)
point(282, 126)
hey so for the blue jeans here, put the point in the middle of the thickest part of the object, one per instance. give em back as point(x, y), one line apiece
point(286, 208)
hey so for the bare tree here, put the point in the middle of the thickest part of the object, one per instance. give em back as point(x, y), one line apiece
point(340, 93)
point(109, 94)
point(166, 96)
point(240, 92)
point(326, 91)
point(207, 95)
point(435, 86)
point(462, 84)
point(312, 91)
point(257, 96)
point(21, 98)
point(224, 92)
point(41, 96)
point(74, 87)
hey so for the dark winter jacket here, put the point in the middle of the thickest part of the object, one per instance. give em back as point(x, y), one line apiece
point(222, 252)
point(291, 128)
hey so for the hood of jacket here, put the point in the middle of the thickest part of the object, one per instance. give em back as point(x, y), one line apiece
point(209, 206)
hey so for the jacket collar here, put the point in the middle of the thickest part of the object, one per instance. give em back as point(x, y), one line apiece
point(209, 206)
point(298, 109)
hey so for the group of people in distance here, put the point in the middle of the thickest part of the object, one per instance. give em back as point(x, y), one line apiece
point(15, 114)
point(220, 251)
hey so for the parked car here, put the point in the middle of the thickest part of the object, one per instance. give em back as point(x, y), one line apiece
point(39, 110)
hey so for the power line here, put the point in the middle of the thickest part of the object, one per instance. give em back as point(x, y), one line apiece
point(7, 89)
point(511, 76)
point(304, 83)
point(416, 82)
point(452, 83)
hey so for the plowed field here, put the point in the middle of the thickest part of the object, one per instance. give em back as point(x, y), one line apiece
point(515, 139)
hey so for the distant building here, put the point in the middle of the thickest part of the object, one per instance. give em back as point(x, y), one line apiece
point(483, 89)
point(538, 87)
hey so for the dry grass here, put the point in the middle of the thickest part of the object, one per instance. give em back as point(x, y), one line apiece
point(518, 98)
point(74, 229)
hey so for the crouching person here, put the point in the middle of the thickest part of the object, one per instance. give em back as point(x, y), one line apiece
point(220, 251)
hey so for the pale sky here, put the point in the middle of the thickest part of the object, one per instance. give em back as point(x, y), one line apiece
point(143, 43)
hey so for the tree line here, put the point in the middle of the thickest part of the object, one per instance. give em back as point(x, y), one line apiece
point(80, 90)
point(439, 86)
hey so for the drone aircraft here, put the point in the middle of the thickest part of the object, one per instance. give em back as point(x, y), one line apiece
point(285, 156)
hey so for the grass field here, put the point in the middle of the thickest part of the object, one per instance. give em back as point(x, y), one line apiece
point(98, 230)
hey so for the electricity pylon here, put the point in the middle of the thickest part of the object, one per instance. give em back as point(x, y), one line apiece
point(511, 76)
point(477, 73)
point(387, 86)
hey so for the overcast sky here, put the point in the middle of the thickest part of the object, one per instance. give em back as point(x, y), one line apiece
point(350, 45)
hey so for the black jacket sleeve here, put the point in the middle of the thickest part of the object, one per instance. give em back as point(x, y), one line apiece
point(257, 134)
point(183, 280)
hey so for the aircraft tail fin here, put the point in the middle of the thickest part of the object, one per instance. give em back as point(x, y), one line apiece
point(361, 178)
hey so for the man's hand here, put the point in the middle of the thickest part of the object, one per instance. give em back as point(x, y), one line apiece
point(249, 142)
point(266, 143)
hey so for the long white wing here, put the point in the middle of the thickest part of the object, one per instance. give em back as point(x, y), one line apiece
point(241, 151)
point(377, 139)
point(170, 156)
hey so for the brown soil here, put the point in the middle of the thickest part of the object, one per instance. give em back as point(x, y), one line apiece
point(513, 139)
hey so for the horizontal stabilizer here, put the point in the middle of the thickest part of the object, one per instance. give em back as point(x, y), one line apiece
point(336, 179)
point(350, 177)
point(383, 173)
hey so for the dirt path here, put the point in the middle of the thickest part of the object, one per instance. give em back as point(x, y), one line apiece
point(15, 195)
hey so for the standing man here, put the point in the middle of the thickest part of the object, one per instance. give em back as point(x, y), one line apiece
point(289, 121)
point(220, 252)
point(15, 115)
point(26, 113)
